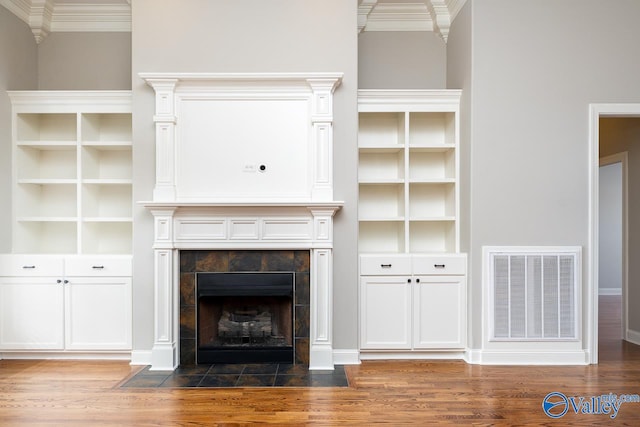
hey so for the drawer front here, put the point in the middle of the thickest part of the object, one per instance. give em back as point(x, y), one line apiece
point(31, 265)
point(440, 264)
point(98, 266)
point(385, 265)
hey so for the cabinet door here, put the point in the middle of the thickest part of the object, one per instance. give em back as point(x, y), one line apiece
point(31, 314)
point(439, 312)
point(98, 313)
point(385, 312)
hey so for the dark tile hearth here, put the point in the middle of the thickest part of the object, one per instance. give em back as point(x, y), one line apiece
point(238, 375)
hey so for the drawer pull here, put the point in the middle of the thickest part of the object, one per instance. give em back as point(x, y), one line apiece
point(385, 265)
point(29, 267)
point(439, 265)
point(98, 267)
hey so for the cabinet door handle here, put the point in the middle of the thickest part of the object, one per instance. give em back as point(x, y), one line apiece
point(65, 281)
point(439, 265)
point(98, 267)
point(385, 265)
point(417, 280)
point(29, 267)
point(58, 281)
point(408, 280)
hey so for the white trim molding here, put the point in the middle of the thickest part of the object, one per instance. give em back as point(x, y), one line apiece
point(411, 15)
point(45, 16)
point(632, 336)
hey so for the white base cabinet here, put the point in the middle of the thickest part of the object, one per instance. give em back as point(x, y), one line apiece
point(75, 303)
point(98, 313)
point(31, 314)
point(385, 312)
point(439, 312)
point(413, 302)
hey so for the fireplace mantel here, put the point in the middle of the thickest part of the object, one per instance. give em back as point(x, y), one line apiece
point(243, 162)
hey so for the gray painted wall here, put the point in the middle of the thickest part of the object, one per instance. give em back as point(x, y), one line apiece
point(401, 60)
point(459, 76)
point(18, 71)
point(536, 67)
point(248, 36)
point(79, 61)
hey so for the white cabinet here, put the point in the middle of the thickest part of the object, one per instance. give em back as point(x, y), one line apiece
point(385, 312)
point(439, 312)
point(413, 302)
point(98, 313)
point(408, 171)
point(72, 178)
point(412, 276)
point(31, 313)
point(65, 303)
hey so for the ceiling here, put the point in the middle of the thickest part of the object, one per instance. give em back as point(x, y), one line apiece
point(45, 16)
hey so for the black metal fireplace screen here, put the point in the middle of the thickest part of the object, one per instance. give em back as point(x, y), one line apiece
point(245, 317)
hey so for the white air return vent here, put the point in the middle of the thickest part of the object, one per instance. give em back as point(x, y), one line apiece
point(534, 293)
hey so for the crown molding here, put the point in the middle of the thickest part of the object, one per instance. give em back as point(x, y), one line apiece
point(399, 17)
point(86, 17)
point(412, 15)
point(45, 16)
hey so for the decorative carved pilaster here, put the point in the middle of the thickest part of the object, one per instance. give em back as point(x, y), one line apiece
point(165, 120)
point(322, 139)
point(321, 346)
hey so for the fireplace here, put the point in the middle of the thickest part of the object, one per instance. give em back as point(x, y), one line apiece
point(244, 283)
point(263, 187)
point(244, 317)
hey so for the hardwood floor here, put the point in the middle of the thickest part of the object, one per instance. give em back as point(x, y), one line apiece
point(34, 393)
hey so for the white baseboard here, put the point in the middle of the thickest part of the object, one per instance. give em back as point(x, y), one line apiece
point(493, 357)
point(346, 357)
point(609, 291)
point(413, 355)
point(141, 357)
point(633, 336)
point(65, 355)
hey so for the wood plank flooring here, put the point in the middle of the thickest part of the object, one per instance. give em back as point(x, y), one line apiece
point(87, 393)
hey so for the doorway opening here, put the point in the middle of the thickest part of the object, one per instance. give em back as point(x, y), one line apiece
point(598, 114)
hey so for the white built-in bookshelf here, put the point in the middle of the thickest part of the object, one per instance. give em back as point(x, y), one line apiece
point(408, 171)
point(72, 157)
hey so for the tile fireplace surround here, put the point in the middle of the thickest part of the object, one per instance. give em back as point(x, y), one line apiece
point(192, 262)
point(244, 165)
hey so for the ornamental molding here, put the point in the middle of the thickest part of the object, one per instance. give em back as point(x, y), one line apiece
point(416, 15)
point(45, 16)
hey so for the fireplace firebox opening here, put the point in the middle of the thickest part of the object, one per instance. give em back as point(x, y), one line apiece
point(245, 317)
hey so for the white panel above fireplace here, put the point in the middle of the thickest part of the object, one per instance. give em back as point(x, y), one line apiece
point(243, 149)
point(244, 137)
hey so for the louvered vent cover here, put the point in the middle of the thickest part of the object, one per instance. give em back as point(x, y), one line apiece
point(535, 295)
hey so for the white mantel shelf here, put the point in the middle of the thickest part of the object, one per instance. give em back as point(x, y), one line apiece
point(336, 205)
